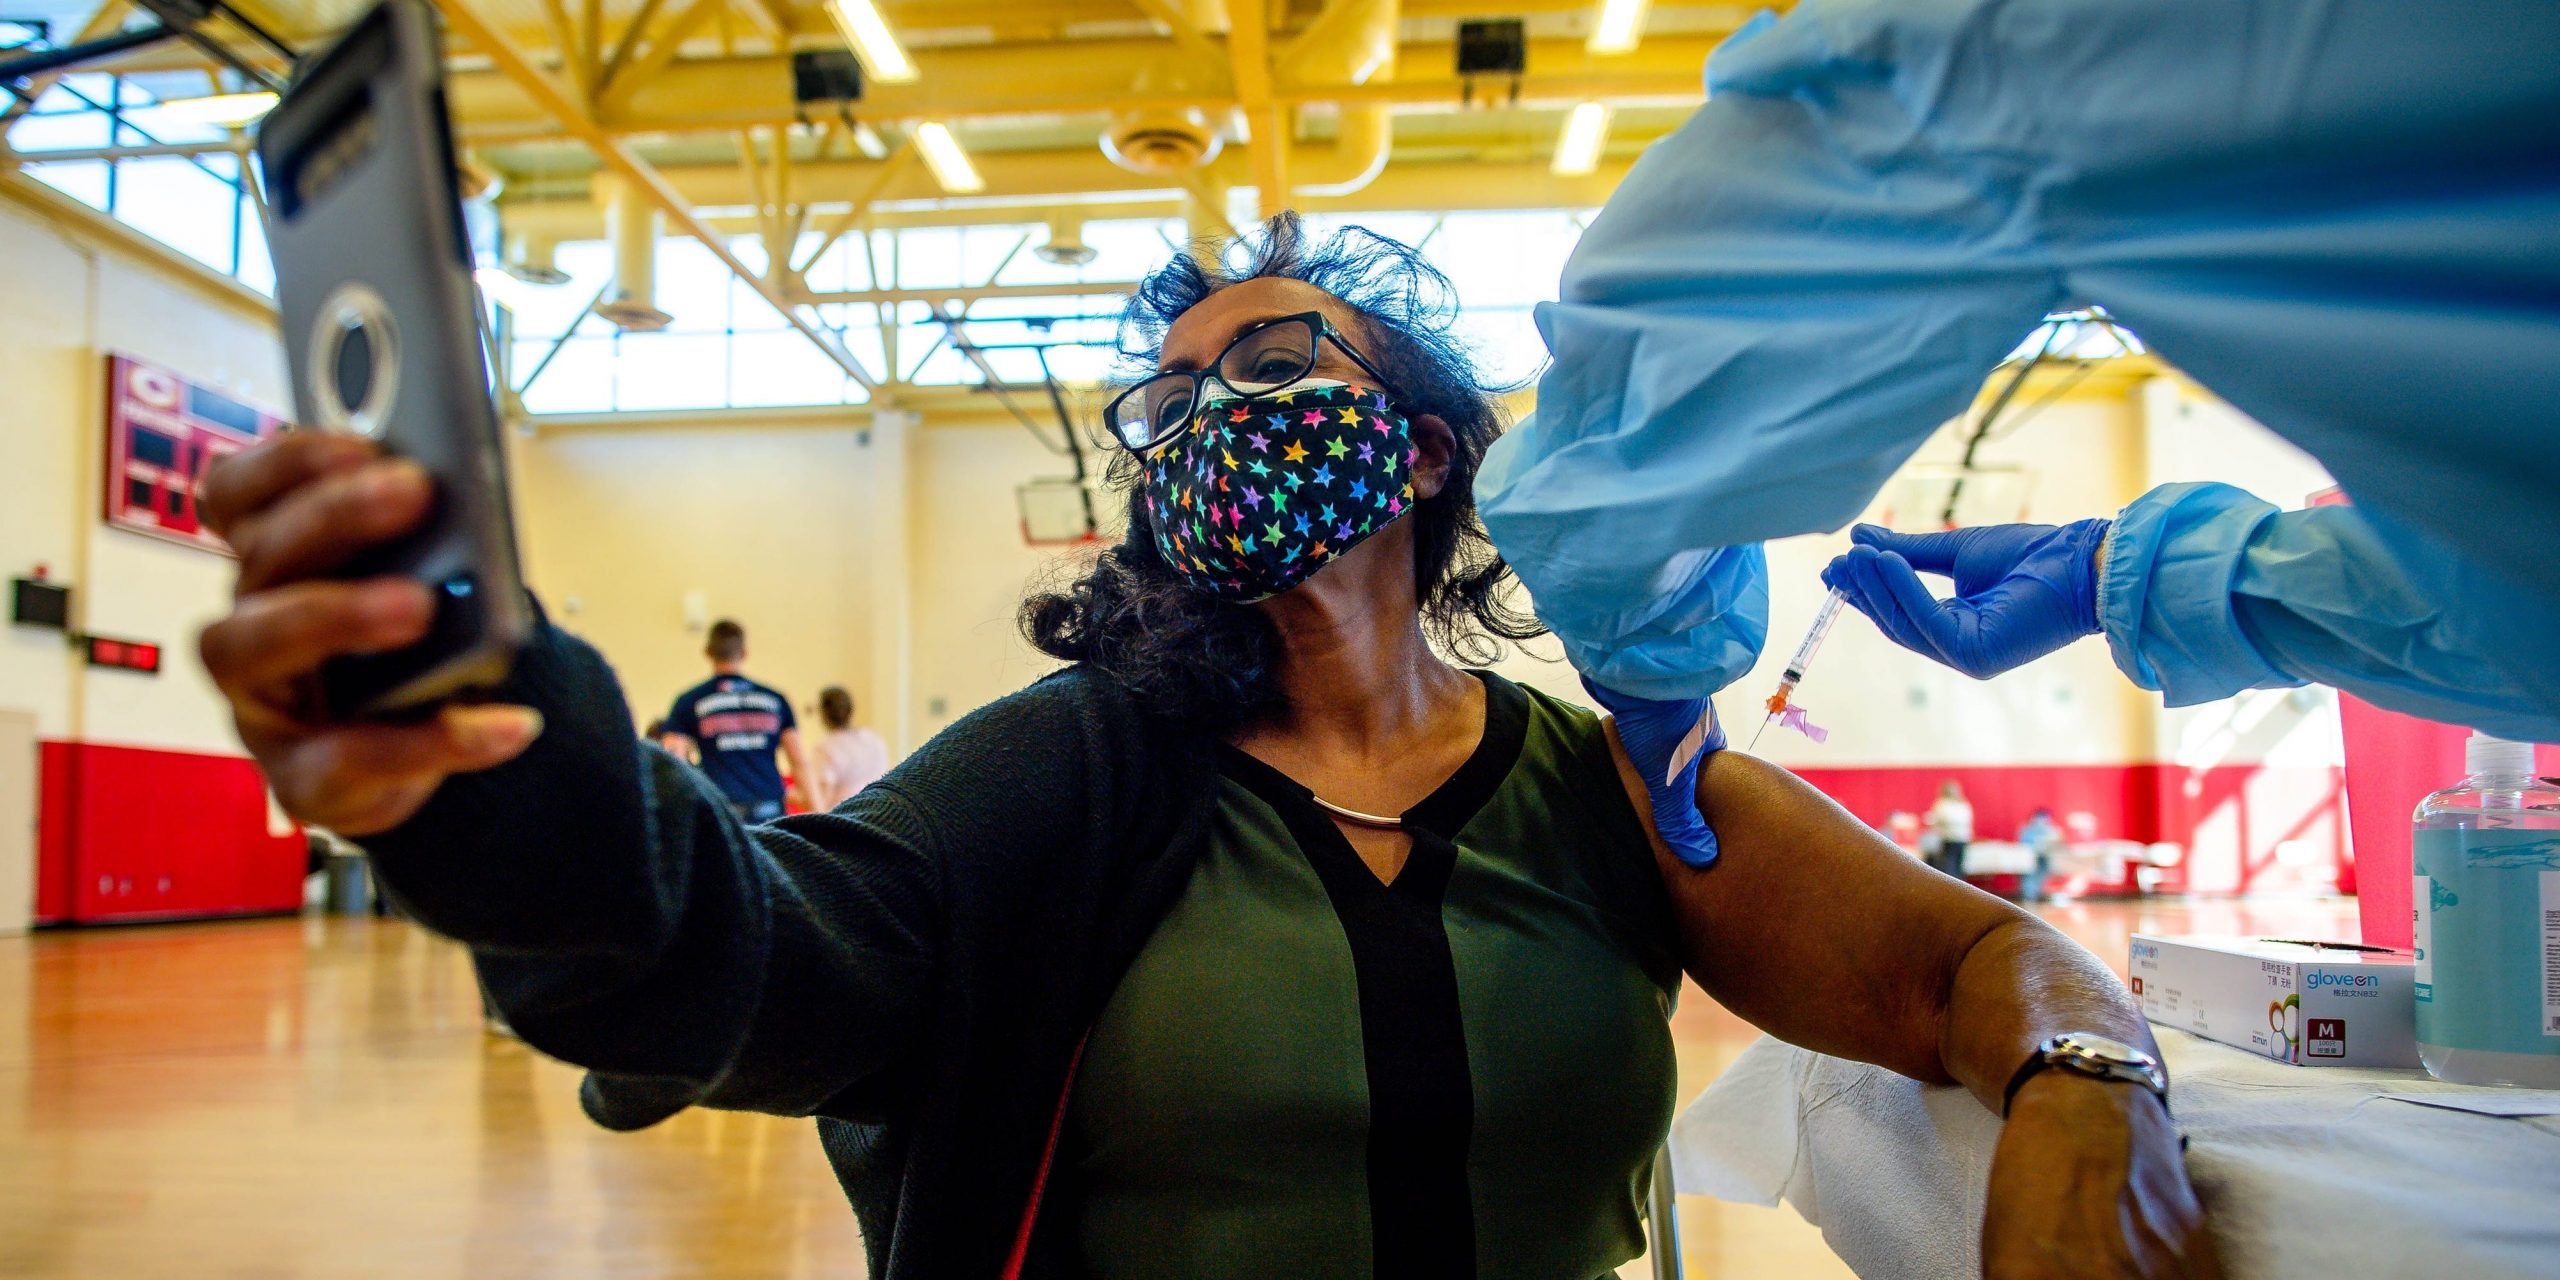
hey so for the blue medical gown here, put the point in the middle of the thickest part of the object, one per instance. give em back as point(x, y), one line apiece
point(2342, 216)
point(2205, 591)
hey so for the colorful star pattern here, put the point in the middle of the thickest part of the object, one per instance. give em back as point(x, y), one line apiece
point(1306, 489)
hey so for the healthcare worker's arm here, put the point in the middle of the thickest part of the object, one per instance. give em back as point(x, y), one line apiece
point(2344, 218)
point(2203, 591)
point(2206, 591)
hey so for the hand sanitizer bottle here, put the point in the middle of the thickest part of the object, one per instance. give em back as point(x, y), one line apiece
point(2487, 898)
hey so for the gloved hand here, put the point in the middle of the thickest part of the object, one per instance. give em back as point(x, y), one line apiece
point(1667, 741)
point(2022, 590)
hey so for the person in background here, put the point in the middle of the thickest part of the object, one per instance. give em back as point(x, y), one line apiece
point(1952, 819)
point(848, 758)
point(730, 726)
point(1902, 826)
point(656, 732)
point(2042, 836)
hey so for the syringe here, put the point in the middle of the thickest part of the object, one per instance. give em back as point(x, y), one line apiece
point(1794, 674)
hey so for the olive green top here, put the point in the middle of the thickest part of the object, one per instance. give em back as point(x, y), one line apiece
point(1463, 1072)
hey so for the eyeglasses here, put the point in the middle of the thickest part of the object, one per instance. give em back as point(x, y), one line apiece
point(1265, 358)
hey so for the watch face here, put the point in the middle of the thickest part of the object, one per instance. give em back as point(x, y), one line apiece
point(2091, 1045)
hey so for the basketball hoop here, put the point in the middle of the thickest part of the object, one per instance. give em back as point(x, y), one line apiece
point(1056, 512)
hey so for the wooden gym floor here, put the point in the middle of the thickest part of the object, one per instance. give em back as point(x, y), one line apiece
point(286, 1098)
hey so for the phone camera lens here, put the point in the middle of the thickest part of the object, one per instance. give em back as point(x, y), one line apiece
point(353, 367)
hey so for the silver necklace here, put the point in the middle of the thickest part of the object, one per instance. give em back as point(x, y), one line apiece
point(1355, 816)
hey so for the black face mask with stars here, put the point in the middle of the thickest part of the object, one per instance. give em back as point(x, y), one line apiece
point(1259, 494)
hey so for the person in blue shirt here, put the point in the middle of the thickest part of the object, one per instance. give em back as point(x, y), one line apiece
point(2344, 218)
point(730, 727)
point(2043, 838)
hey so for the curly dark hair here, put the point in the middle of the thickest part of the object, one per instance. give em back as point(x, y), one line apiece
point(1189, 656)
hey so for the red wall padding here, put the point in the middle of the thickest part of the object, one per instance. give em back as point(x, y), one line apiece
point(2124, 798)
point(2235, 822)
point(130, 833)
point(56, 770)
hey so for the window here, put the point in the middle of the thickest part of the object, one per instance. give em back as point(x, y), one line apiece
point(724, 347)
point(769, 364)
point(197, 204)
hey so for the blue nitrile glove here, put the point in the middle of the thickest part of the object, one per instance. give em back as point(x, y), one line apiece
point(2022, 590)
point(1667, 741)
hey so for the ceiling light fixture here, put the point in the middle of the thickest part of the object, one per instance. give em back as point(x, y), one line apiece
point(504, 287)
point(1621, 25)
point(949, 163)
point(227, 110)
point(868, 33)
point(1586, 127)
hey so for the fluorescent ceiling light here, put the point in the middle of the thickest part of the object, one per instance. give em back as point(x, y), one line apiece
point(1621, 25)
point(505, 288)
point(1578, 147)
point(229, 110)
point(868, 33)
point(949, 163)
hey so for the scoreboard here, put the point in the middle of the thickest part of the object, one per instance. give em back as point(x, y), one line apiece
point(162, 432)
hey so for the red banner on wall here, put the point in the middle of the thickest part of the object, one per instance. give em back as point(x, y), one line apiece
point(162, 432)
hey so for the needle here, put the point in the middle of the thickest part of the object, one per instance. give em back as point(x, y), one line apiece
point(1794, 674)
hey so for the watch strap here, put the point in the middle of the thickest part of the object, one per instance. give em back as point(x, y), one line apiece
point(2026, 1071)
point(2051, 1054)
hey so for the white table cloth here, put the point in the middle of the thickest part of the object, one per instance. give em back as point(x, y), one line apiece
point(2305, 1171)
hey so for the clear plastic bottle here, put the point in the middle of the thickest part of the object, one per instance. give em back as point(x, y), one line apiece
point(2487, 901)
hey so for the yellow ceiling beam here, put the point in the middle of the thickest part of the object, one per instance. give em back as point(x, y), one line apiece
point(632, 32)
point(1249, 60)
point(1183, 25)
point(772, 16)
point(1026, 187)
point(759, 194)
point(564, 39)
point(574, 117)
point(886, 172)
point(655, 58)
point(658, 94)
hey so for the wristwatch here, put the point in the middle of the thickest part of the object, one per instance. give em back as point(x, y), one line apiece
point(2091, 1054)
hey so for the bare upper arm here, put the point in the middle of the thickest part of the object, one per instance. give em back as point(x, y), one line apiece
point(1813, 927)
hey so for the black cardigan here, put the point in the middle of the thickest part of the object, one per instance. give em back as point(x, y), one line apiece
point(914, 970)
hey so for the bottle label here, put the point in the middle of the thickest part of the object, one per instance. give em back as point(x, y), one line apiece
point(2551, 953)
point(2487, 933)
point(2422, 949)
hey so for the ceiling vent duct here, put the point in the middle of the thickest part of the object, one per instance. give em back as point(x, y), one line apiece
point(1066, 247)
point(633, 225)
point(534, 258)
point(1162, 142)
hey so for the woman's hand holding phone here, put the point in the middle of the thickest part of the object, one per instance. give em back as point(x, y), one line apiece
point(295, 509)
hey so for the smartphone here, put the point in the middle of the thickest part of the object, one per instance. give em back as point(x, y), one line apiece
point(382, 333)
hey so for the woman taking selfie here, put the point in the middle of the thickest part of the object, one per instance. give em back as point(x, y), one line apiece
point(1259, 941)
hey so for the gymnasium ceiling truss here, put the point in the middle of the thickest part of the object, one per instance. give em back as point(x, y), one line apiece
point(1074, 109)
